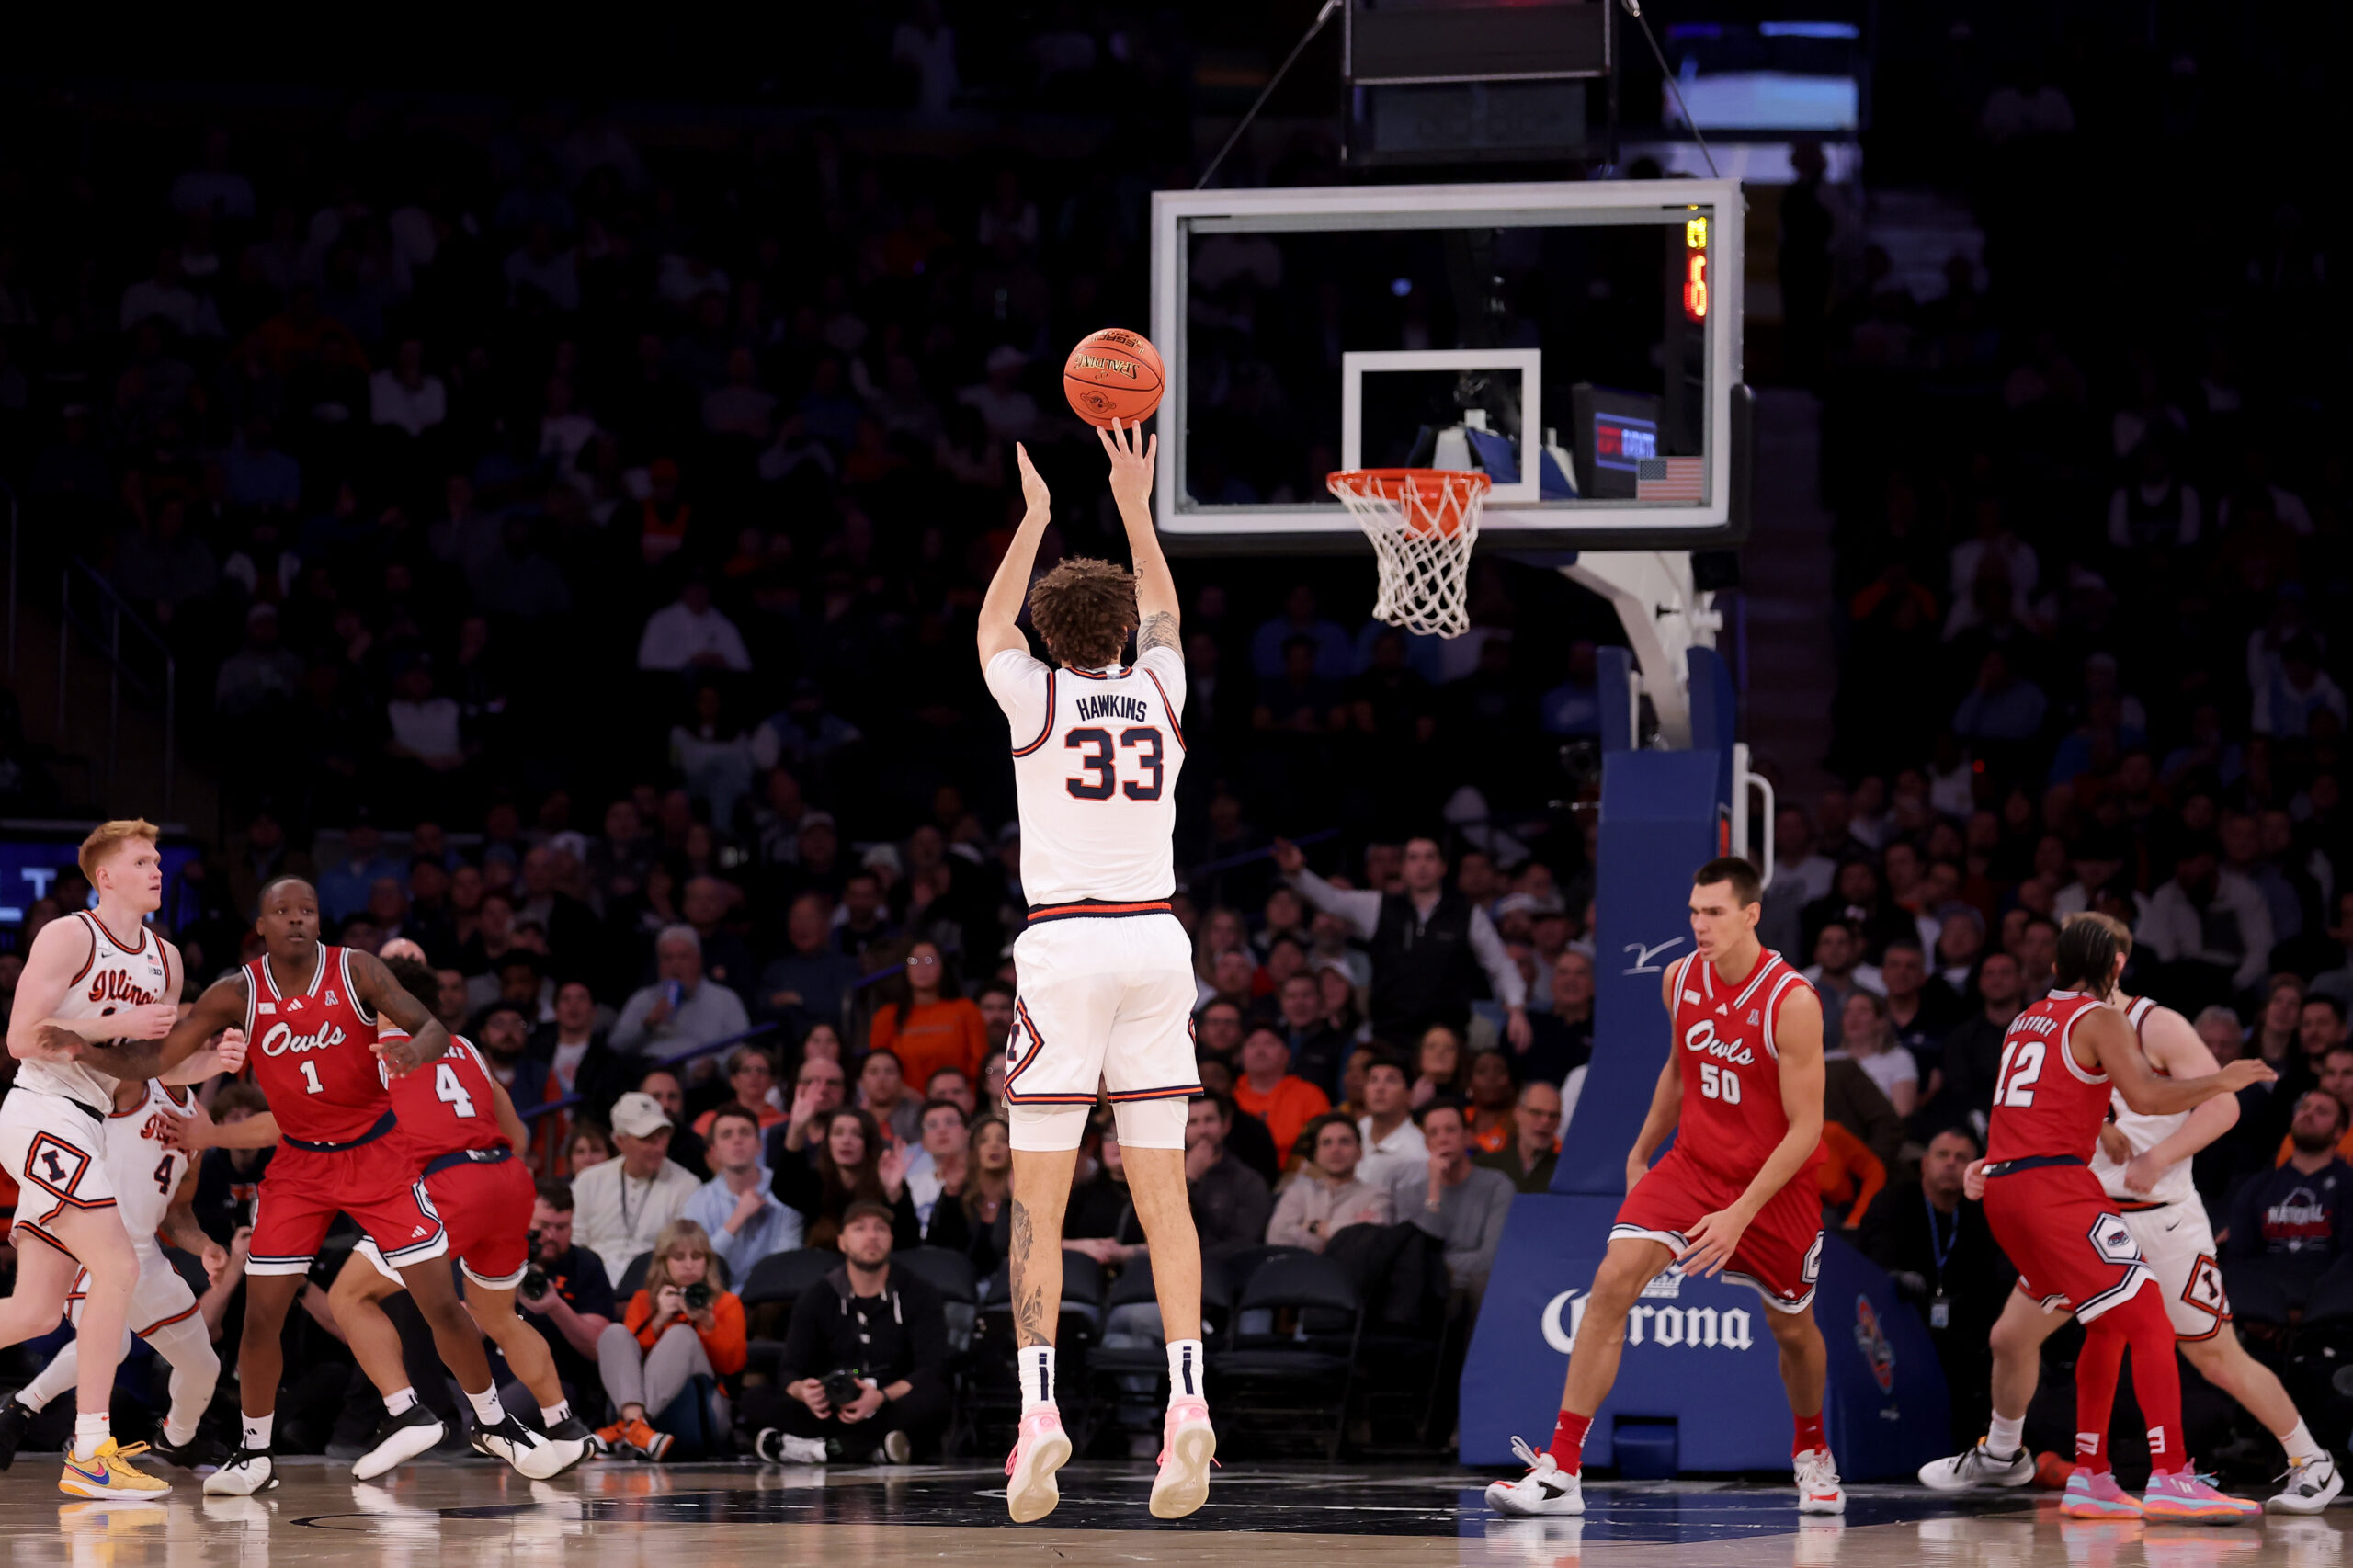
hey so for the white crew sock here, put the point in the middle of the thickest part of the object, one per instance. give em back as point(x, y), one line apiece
point(2297, 1441)
point(258, 1429)
point(1037, 1362)
point(1184, 1370)
point(89, 1431)
point(556, 1414)
point(488, 1410)
point(179, 1433)
point(400, 1402)
point(2005, 1435)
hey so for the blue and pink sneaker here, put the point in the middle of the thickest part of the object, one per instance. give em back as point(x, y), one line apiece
point(2184, 1496)
point(2094, 1495)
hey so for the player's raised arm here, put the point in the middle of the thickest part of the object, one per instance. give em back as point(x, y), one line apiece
point(1000, 619)
point(426, 1040)
point(220, 1006)
point(60, 952)
point(1132, 455)
point(2117, 1053)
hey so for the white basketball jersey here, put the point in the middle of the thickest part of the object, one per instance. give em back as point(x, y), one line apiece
point(144, 1169)
point(2144, 1133)
point(1095, 759)
point(115, 978)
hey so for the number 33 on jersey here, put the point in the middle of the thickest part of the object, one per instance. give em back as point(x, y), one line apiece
point(1095, 755)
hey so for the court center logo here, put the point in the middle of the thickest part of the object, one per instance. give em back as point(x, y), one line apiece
point(1694, 1328)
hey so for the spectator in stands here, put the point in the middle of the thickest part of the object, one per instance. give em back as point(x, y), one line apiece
point(590, 1145)
point(1862, 1038)
point(1562, 1037)
point(1921, 1007)
point(751, 1082)
point(2335, 1072)
point(1945, 1262)
point(579, 1059)
point(689, 634)
point(2320, 1027)
point(937, 1170)
point(2301, 1207)
point(854, 1165)
point(663, 1341)
point(227, 1179)
point(1838, 973)
point(666, 1090)
point(1849, 1177)
point(1492, 1092)
point(1429, 946)
point(1535, 1146)
point(1392, 1141)
point(1230, 1203)
point(1852, 1100)
point(1440, 1066)
point(2209, 926)
point(884, 1323)
point(735, 1208)
point(1461, 1204)
point(954, 1085)
point(929, 1027)
point(1267, 1090)
point(812, 980)
point(1972, 1051)
point(682, 1009)
point(625, 1202)
point(1317, 1047)
point(1326, 1194)
point(572, 1309)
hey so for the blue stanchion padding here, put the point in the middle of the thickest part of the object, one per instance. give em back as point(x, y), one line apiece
point(1658, 816)
point(1715, 712)
point(1613, 681)
point(1699, 1353)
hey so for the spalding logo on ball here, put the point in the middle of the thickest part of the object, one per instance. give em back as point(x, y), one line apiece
point(1113, 374)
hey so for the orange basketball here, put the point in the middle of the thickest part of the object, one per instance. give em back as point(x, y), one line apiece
point(1113, 374)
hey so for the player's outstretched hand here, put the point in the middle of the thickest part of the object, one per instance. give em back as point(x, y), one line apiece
point(56, 1043)
point(1033, 483)
point(192, 1132)
point(1132, 456)
point(230, 1051)
point(1973, 1181)
point(215, 1259)
point(1713, 1241)
point(401, 1055)
point(151, 1020)
point(2247, 1073)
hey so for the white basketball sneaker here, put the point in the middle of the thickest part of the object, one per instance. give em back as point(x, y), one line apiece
point(1545, 1489)
point(2312, 1484)
point(1819, 1491)
point(1978, 1467)
point(1041, 1448)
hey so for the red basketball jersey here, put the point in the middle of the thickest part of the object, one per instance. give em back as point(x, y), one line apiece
point(2044, 1102)
point(1732, 1119)
point(310, 1052)
point(447, 1105)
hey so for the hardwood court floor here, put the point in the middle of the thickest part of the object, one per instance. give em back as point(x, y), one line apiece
point(613, 1515)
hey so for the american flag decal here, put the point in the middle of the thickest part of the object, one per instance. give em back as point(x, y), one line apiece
point(1669, 479)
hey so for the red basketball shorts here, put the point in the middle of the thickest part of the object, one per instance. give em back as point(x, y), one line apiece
point(486, 1209)
point(2073, 1250)
point(375, 1183)
point(1779, 1254)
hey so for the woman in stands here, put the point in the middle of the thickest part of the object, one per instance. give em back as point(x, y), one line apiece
point(853, 1165)
point(684, 1323)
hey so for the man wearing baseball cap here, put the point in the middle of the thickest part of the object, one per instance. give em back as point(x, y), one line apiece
point(621, 1206)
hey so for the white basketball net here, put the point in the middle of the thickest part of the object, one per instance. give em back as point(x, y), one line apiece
point(1422, 522)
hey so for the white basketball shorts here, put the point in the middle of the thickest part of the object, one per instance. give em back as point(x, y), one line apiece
point(2178, 1246)
point(1105, 1008)
point(56, 1151)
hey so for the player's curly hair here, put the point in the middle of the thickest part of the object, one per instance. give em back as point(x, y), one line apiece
point(1085, 610)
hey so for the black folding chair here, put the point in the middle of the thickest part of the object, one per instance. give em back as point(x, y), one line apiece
point(775, 1283)
point(1286, 1377)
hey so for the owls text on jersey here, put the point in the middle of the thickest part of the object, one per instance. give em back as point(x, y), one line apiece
point(145, 1170)
point(115, 977)
point(1095, 755)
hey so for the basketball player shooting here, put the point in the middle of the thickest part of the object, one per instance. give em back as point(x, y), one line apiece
point(1742, 1092)
point(1105, 969)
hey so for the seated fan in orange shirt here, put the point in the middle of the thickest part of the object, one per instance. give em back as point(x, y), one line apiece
point(1269, 1091)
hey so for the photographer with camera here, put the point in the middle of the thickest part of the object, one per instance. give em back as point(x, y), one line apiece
point(864, 1372)
point(682, 1325)
point(566, 1296)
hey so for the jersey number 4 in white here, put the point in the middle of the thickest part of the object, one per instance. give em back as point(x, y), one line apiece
point(1097, 757)
point(1719, 1084)
point(449, 1092)
point(2021, 1065)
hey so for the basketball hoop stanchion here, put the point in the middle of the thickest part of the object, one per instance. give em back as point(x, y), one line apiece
point(1421, 523)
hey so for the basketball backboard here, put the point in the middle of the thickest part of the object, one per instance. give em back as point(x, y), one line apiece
point(1580, 343)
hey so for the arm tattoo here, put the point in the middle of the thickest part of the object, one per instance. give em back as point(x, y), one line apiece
point(1029, 1320)
point(1159, 631)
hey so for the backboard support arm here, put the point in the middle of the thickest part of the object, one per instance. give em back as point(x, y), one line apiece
point(1663, 616)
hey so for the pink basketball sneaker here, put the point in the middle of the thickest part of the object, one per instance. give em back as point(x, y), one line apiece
point(1041, 1448)
point(2094, 1495)
point(1187, 1445)
point(2187, 1496)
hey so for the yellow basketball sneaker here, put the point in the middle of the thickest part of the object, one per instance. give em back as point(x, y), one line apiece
point(109, 1473)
